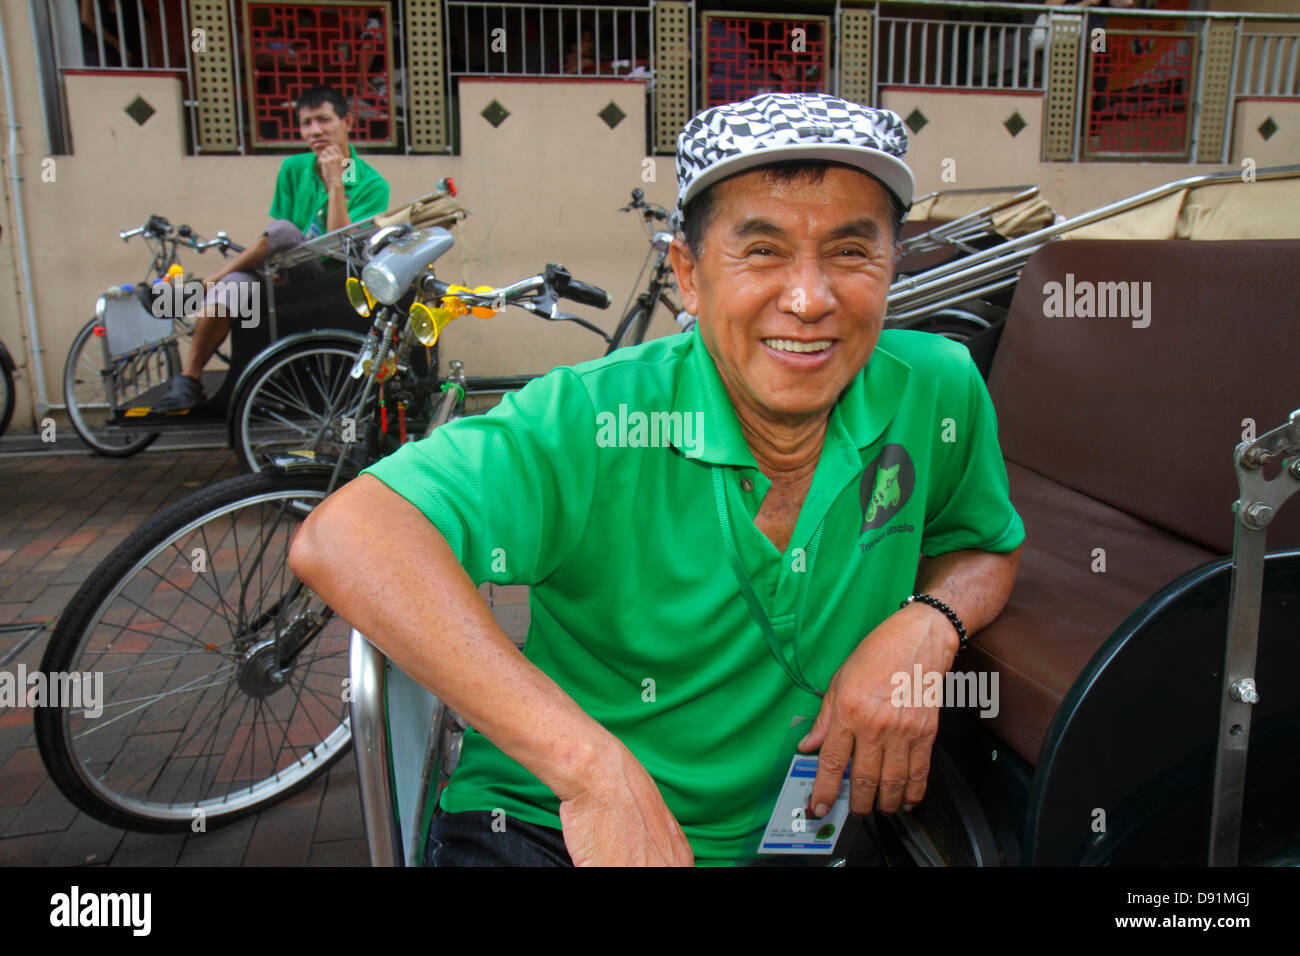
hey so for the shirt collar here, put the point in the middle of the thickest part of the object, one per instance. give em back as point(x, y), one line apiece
point(860, 416)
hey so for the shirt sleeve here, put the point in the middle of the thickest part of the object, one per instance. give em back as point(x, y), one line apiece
point(510, 490)
point(970, 505)
point(370, 199)
point(281, 202)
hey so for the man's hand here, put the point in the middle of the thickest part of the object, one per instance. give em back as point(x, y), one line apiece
point(619, 818)
point(888, 745)
point(331, 162)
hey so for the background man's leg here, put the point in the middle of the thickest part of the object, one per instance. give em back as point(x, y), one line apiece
point(209, 332)
point(223, 301)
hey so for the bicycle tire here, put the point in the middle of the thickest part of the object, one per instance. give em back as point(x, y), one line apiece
point(632, 321)
point(205, 657)
point(299, 401)
point(8, 396)
point(87, 398)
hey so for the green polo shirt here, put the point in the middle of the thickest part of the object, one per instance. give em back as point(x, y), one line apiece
point(301, 196)
point(611, 518)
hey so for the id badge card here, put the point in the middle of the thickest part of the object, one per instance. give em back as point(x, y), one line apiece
point(790, 829)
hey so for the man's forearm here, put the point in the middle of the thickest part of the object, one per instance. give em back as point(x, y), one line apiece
point(398, 582)
point(336, 217)
point(975, 584)
point(246, 261)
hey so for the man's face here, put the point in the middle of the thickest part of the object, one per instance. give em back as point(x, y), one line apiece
point(790, 287)
point(320, 126)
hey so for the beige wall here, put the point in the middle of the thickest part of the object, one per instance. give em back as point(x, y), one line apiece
point(543, 187)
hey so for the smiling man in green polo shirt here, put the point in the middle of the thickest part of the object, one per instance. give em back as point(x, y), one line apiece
point(723, 568)
point(316, 192)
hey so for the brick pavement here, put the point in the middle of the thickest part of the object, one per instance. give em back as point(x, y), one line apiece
point(60, 515)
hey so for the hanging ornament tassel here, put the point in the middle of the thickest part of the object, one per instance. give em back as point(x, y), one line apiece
point(383, 412)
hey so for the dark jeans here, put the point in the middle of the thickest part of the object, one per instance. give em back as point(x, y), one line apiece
point(468, 839)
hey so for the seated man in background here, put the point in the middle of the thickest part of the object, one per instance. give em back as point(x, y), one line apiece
point(315, 193)
point(828, 510)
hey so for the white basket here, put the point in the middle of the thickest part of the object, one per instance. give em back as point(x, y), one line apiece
point(130, 326)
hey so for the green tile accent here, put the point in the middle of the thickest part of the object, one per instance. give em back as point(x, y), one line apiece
point(1267, 128)
point(916, 120)
point(612, 115)
point(139, 110)
point(495, 113)
point(1014, 123)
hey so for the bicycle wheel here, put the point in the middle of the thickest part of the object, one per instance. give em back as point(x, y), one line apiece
point(86, 392)
point(8, 396)
point(220, 676)
point(301, 400)
point(632, 326)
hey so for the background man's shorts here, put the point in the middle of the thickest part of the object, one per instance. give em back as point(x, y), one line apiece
point(224, 296)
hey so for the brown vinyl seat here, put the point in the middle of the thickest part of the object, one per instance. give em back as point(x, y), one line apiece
point(1119, 438)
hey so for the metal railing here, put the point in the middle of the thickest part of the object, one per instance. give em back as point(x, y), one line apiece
point(960, 55)
point(1268, 65)
point(547, 39)
point(123, 35)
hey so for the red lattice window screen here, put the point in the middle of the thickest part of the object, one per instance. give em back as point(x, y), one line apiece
point(291, 47)
point(1140, 96)
point(745, 56)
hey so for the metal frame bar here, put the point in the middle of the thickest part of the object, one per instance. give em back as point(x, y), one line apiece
point(964, 278)
point(1259, 501)
point(1022, 8)
point(237, 79)
point(367, 668)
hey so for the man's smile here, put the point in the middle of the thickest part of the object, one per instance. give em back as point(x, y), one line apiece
point(798, 345)
point(800, 355)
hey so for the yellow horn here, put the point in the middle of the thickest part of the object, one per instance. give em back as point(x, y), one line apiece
point(359, 297)
point(427, 323)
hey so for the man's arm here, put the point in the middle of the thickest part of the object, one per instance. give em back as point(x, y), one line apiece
point(332, 161)
point(430, 619)
point(889, 745)
point(248, 260)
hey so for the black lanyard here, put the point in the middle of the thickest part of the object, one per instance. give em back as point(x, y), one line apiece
point(792, 670)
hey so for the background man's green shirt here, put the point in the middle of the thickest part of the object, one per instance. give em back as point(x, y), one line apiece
point(301, 196)
point(630, 580)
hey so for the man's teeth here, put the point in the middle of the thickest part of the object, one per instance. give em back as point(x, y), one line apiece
point(790, 345)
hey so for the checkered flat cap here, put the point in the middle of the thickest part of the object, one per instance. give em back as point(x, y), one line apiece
point(776, 127)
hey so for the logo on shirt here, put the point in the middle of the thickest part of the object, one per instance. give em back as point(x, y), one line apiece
point(886, 487)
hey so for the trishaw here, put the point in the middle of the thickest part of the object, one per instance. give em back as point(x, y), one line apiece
point(122, 360)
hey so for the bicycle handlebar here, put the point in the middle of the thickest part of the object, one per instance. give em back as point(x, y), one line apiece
point(555, 282)
point(648, 210)
point(159, 228)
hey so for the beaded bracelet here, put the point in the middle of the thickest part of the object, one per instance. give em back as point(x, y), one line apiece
point(943, 609)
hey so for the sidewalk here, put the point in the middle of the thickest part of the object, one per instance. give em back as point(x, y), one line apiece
point(60, 515)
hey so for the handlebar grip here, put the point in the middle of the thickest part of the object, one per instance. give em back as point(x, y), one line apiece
point(587, 294)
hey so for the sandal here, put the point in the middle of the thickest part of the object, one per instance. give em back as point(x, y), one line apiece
point(184, 394)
